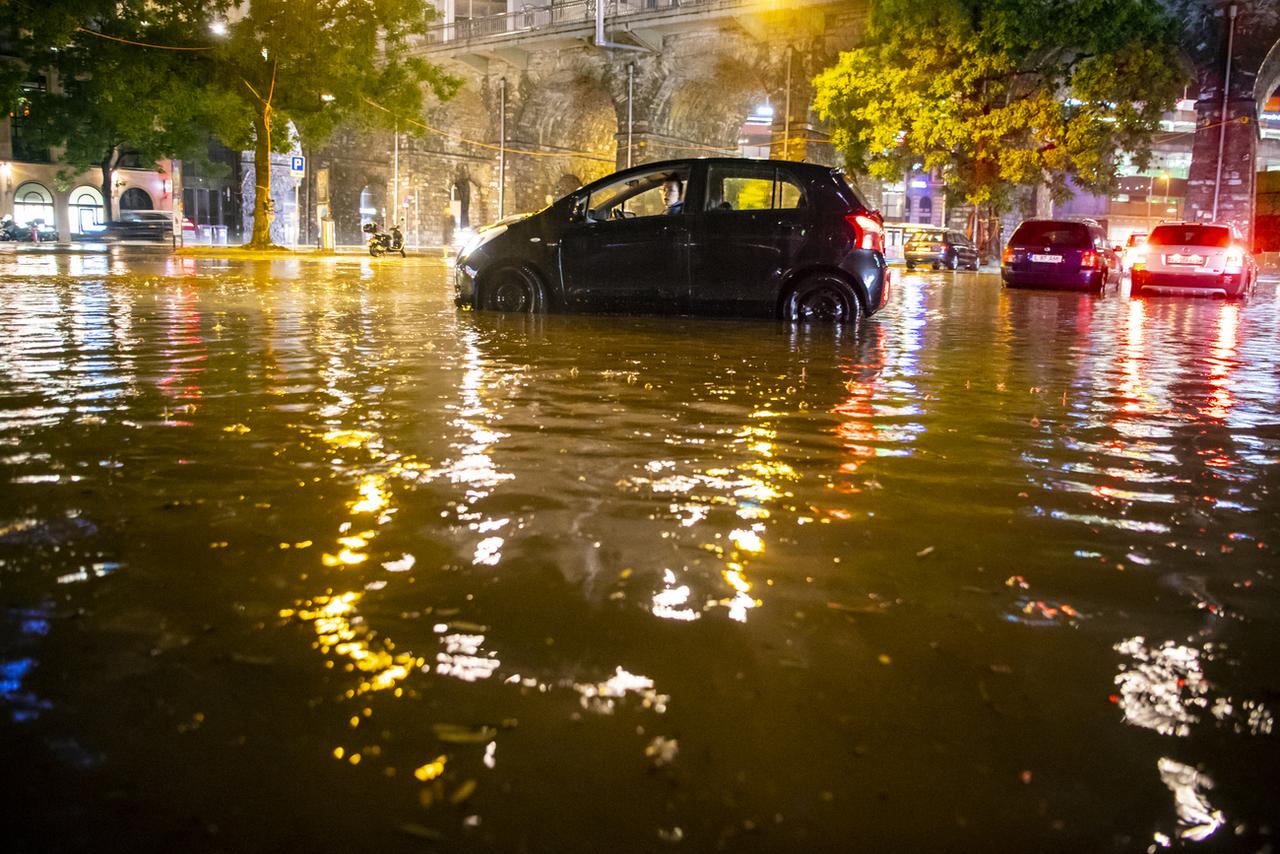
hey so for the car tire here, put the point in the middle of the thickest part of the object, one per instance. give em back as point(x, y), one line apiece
point(823, 298)
point(514, 290)
point(911, 266)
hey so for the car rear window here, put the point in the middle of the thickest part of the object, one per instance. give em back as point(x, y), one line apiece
point(926, 237)
point(1071, 234)
point(1190, 235)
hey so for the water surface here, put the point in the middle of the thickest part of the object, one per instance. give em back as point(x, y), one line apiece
point(297, 554)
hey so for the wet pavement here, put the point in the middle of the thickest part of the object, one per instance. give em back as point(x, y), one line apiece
point(294, 554)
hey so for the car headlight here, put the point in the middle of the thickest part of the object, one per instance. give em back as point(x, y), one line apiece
point(480, 239)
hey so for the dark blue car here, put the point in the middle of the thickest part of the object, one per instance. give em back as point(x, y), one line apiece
point(1059, 254)
point(749, 238)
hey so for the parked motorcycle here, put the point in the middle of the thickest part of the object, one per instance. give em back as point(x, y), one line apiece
point(382, 242)
point(34, 231)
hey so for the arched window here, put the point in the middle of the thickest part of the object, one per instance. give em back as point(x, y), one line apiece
point(86, 211)
point(134, 199)
point(926, 209)
point(33, 201)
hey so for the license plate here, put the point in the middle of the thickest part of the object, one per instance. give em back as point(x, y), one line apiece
point(1046, 259)
point(1189, 260)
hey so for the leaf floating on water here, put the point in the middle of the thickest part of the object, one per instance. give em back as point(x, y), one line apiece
point(463, 734)
point(404, 564)
point(421, 832)
point(925, 552)
point(464, 791)
point(470, 628)
point(236, 428)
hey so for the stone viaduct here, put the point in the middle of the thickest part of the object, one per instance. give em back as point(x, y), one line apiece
point(677, 78)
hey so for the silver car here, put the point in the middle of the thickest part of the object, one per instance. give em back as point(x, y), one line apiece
point(1195, 259)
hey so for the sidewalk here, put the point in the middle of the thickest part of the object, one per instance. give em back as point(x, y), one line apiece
point(229, 251)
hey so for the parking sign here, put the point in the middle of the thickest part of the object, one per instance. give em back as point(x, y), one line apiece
point(298, 165)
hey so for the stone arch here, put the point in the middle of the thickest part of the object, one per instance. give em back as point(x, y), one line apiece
point(701, 114)
point(1268, 79)
point(568, 122)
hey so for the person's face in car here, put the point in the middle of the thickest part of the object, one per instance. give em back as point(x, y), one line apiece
point(670, 193)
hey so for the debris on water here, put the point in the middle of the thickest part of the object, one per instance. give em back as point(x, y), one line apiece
point(402, 564)
point(662, 751)
point(463, 792)
point(671, 836)
point(463, 734)
point(236, 428)
point(925, 552)
point(1141, 560)
point(432, 769)
point(884, 659)
point(1017, 581)
point(412, 829)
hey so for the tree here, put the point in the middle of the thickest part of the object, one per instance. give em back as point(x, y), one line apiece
point(1003, 94)
point(110, 91)
point(313, 64)
point(115, 93)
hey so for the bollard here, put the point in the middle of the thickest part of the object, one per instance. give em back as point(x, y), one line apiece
point(327, 235)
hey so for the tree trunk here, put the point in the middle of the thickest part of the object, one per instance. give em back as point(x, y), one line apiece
point(263, 207)
point(108, 173)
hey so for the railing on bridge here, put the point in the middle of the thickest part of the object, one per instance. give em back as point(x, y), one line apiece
point(553, 16)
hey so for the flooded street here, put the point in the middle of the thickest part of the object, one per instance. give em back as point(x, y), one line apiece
point(296, 555)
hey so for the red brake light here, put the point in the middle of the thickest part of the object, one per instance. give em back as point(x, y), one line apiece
point(1088, 258)
point(868, 233)
point(1234, 262)
point(1007, 257)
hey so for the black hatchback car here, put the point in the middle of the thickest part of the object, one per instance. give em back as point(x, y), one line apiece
point(1057, 253)
point(749, 238)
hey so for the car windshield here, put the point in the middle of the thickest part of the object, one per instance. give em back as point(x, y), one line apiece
point(1069, 234)
point(1191, 235)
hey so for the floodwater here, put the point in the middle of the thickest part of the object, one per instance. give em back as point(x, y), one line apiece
point(297, 556)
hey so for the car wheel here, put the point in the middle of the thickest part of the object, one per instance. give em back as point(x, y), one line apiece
point(514, 290)
point(911, 266)
point(822, 298)
point(937, 266)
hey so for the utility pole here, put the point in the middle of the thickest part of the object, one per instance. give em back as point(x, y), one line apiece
point(502, 148)
point(786, 109)
point(395, 172)
point(1222, 120)
point(631, 91)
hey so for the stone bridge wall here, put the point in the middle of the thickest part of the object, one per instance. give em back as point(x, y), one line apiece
point(567, 108)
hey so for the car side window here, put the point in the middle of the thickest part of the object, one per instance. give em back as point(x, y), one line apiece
point(635, 196)
point(752, 189)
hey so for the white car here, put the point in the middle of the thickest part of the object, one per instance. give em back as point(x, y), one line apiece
point(1195, 259)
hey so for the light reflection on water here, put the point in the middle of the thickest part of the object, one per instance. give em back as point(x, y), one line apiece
point(998, 554)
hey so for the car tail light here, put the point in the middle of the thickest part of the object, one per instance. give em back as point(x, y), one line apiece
point(1007, 257)
point(868, 233)
point(1234, 261)
point(1088, 259)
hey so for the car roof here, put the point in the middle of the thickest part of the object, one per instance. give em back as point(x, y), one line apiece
point(688, 162)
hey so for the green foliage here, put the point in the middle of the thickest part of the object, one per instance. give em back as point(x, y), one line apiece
point(997, 94)
point(112, 94)
point(320, 63)
point(314, 64)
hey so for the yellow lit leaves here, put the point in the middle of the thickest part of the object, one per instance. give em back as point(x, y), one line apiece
point(431, 770)
point(236, 428)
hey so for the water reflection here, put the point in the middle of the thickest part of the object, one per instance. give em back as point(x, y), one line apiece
point(731, 584)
